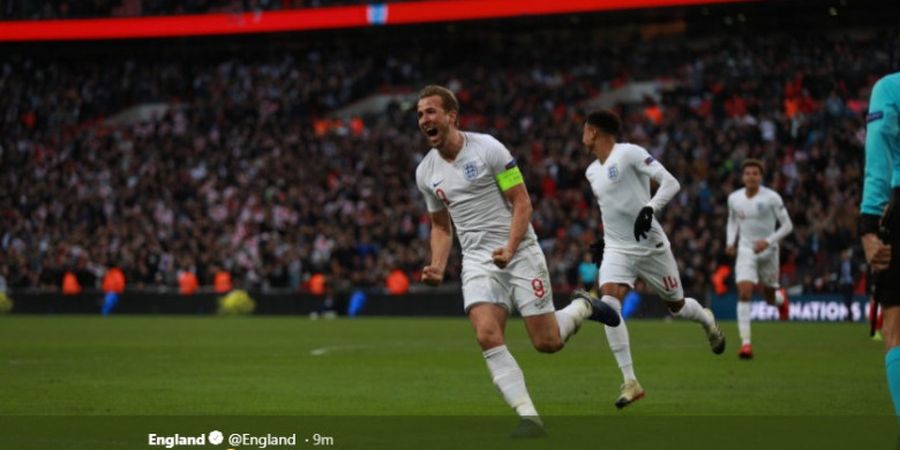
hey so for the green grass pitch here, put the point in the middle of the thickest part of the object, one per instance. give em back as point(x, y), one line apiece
point(415, 366)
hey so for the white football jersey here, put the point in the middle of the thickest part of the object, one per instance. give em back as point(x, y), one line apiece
point(753, 219)
point(622, 187)
point(468, 189)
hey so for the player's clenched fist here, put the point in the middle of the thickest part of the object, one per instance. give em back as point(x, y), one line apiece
point(878, 255)
point(432, 275)
point(501, 257)
point(760, 245)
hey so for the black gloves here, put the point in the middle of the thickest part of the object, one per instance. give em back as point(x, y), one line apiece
point(642, 223)
point(597, 251)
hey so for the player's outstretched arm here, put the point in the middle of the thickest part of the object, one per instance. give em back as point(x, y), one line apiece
point(521, 216)
point(441, 241)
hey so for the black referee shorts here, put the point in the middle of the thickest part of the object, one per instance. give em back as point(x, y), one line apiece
point(887, 283)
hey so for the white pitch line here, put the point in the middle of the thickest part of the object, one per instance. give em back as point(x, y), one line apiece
point(323, 350)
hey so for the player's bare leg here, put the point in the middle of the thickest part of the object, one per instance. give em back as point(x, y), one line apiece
point(489, 322)
point(549, 332)
point(619, 342)
point(745, 292)
point(546, 333)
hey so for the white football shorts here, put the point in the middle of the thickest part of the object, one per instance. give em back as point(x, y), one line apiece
point(523, 284)
point(757, 268)
point(659, 270)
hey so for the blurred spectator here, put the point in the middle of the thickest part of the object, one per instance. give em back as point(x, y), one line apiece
point(587, 272)
point(113, 281)
point(113, 285)
point(847, 280)
point(187, 282)
point(70, 285)
point(397, 283)
point(222, 282)
point(318, 284)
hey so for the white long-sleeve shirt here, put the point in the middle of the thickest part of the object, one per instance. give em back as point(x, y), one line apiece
point(754, 218)
point(622, 187)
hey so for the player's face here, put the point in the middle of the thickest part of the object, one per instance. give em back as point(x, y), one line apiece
point(752, 177)
point(434, 121)
point(589, 135)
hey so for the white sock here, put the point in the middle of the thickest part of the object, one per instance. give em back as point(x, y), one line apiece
point(694, 312)
point(570, 317)
point(619, 341)
point(779, 297)
point(510, 380)
point(743, 318)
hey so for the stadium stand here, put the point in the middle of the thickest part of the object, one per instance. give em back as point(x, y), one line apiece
point(237, 160)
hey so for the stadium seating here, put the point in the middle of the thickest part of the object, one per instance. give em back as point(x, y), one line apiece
point(246, 169)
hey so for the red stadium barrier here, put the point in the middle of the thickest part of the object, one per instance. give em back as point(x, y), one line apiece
point(313, 18)
point(450, 10)
point(186, 25)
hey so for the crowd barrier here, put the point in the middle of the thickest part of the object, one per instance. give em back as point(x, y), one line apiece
point(444, 302)
point(810, 307)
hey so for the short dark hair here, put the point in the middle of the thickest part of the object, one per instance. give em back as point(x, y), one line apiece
point(753, 162)
point(606, 121)
point(448, 99)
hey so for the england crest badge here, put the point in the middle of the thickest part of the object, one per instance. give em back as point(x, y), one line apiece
point(613, 172)
point(470, 171)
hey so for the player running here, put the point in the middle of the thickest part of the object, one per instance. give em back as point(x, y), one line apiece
point(635, 244)
point(752, 213)
point(472, 179)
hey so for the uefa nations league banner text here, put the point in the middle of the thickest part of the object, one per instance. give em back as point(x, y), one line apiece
point(809, 308)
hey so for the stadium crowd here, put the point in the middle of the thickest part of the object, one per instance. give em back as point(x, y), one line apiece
point(244, 171)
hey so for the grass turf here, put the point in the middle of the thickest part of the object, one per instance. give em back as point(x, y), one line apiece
point(292, 366)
